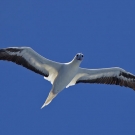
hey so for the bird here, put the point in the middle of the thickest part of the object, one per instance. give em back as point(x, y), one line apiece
point(63, 75)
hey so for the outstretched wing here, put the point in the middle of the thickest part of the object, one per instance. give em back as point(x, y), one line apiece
point(30, 59)
point(113, 76)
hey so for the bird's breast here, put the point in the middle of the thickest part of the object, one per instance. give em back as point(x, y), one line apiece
point(65, 75)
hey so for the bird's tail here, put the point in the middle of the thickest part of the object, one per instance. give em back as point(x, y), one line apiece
point(50, 97)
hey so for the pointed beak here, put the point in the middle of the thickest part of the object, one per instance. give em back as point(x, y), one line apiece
point(79, 57)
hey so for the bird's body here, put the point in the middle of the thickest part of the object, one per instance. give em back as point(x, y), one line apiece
point(63, 75)
point(66, 74)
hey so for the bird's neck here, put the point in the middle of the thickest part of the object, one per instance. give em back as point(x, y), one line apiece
point(75, 62)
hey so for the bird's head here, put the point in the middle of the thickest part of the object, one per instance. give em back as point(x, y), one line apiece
point(79, 56)
point(77, 59)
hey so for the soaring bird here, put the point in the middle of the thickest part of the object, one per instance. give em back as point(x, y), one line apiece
point(63, 75)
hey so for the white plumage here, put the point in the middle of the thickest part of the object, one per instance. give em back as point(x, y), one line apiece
point(63, 75)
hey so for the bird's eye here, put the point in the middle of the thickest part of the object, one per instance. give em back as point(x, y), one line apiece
point(77, 55)
point(82, 55)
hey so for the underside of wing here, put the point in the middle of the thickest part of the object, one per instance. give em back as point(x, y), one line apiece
point(28, 58)
point(112, 76)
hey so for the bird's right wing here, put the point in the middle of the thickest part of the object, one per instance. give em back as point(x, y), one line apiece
point(113, 76)
point(30, 59)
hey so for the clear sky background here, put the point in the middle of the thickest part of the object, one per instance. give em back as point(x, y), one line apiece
point(103, 30)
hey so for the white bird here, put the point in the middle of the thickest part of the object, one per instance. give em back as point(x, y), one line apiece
point(63, 75)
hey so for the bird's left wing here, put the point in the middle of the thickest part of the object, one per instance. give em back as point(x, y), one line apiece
point(30, 59)
point(113, 76)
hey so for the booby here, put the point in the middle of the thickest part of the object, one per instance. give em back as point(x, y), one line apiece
point(63, 75)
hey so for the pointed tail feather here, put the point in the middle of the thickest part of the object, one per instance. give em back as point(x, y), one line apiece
point(50, 97)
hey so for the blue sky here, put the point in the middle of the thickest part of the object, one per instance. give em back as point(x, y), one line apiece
point(103, 31)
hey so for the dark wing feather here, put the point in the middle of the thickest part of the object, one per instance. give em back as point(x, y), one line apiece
point(123, 79)
point(22, 56)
